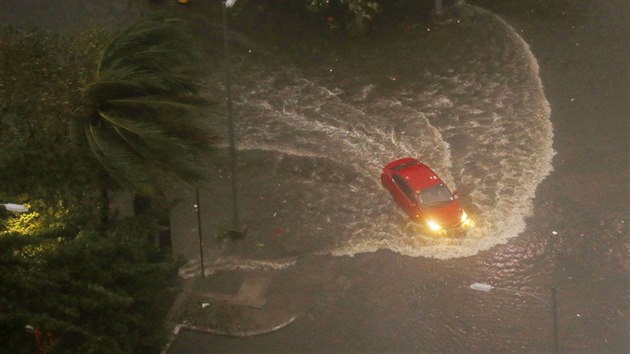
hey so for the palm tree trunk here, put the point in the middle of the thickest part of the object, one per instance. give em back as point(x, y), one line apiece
point(143, 205)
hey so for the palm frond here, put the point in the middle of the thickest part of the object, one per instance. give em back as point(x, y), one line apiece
point(174, 153)
point(161, 53)
point(149, 122)
point(124, 167)
point(172, 104)
point(187, 115)
point(100, 91)
point(187, 163)
point(146, 129)
point(152, 134)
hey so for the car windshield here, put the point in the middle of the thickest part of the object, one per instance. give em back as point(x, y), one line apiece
point(435, 196)
point(404, 165)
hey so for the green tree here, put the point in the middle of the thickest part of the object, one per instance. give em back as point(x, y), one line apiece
point(365, 11)
point(362, 8)
point(90, 294)
point(40, 94)
point(361, 11)
point(132, 102)
point(148, 120)
point(128, 107)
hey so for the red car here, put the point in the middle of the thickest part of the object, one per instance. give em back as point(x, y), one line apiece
point(423, 195)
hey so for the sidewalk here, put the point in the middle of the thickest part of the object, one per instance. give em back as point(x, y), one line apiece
point(229, 303)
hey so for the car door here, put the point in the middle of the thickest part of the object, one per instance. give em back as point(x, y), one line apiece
point(405, 196)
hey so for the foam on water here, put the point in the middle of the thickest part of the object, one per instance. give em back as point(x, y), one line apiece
point(503, 139)
point(303, 118)
point(193, 268)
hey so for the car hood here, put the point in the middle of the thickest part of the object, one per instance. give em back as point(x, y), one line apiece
point(447, 215)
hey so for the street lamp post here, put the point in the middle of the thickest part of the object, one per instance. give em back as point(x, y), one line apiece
point(198, 209)
point(554, 313)
point(232, 137)
point(487, 287)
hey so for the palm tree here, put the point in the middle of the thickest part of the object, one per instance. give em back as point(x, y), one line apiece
point(147, 124)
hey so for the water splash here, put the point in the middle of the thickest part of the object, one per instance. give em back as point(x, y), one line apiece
point(482, 124)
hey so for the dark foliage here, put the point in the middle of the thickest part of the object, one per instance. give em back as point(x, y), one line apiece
point(92, 294)
point(86, 291)
point(148, 120)
point(40, 95)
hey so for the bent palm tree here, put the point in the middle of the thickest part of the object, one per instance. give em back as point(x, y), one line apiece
point(147, 124)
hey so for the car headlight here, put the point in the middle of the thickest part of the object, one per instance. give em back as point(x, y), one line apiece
point(433, 225)
point(464, 216)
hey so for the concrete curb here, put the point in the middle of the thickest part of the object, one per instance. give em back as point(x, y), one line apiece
point(249, 297)
point(178, 327)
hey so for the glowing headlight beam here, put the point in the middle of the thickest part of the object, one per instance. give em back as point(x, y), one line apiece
point(433, 225)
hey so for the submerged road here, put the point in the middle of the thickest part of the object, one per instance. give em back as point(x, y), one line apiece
point(576, 239)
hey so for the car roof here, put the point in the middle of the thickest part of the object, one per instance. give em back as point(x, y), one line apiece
point(418, 175)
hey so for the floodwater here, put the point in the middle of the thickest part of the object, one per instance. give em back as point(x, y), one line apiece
point(312, 146)
point(527, 120)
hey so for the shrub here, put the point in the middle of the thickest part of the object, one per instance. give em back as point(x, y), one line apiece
point(92, 294)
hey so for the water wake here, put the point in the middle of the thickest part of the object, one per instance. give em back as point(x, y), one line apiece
point(481, 122)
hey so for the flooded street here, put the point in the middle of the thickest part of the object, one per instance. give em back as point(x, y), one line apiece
point(314, 140)
point(543, 174)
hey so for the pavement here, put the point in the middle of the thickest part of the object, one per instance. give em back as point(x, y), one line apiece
point(229, 303)
point(240, 299)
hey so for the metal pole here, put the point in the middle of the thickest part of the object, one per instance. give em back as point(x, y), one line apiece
point(235, 209)
point(198, 208)
point(555, 319)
